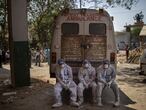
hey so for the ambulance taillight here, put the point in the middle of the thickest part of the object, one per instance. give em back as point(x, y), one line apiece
point(53, 57)
point(112, 57)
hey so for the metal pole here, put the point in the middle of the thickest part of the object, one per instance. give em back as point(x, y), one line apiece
point(80, 4)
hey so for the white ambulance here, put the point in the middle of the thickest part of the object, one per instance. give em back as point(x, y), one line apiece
point(83, 34)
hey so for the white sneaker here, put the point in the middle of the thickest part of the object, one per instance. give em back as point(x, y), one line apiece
point(80, 102)
point(117, 104)
point(56, 105)
point(75, 104)
point(99, 104)
point(94, 101)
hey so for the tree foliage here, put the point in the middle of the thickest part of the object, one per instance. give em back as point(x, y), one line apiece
point(108, 3)
point(123, 3)
point(139, 17)
point(136, 31)
point(2, 12)
point(41, 14)
point(3, 23)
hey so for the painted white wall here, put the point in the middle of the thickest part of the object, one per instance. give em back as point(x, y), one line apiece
point(122, 37)
point(19, 20)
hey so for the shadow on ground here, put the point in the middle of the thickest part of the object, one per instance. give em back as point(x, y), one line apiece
point(40, 96)
point(34, 97)
point(108, 100)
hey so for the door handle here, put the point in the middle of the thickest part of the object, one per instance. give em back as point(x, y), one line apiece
point(86, 46)
point(82, 45)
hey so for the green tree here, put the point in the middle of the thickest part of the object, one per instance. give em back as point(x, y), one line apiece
point(136, 31)
point(3, 24)
point(41, 14)
point(135, 34)
point(139, 17)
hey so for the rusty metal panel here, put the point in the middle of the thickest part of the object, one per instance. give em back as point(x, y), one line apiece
point(71, 48)
point(97, 48)
point(76, 48)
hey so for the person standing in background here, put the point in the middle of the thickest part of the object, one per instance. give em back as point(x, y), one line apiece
point(38, 57)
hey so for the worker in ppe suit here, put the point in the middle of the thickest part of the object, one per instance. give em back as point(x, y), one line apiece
point(106, 76)
point(86, 76)
point(64, 79)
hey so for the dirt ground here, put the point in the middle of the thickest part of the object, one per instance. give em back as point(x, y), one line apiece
point(39, 96)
